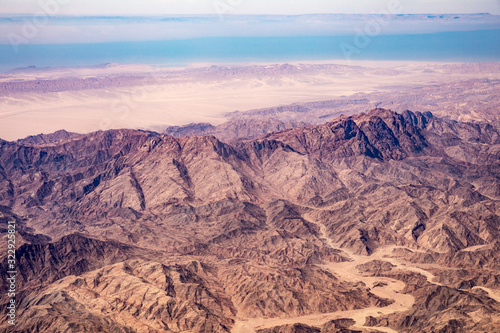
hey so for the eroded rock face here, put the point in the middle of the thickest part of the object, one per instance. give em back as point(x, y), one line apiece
point(143, 295)
point(333, 326)
point(129, 230)
point(295, 328)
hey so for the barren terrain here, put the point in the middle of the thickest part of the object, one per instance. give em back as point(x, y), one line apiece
point(269, 198)
point(379, 221)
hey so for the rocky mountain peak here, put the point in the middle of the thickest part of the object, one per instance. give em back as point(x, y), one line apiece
point(381, 134)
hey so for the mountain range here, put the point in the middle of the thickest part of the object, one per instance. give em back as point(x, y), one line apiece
point(375, 222)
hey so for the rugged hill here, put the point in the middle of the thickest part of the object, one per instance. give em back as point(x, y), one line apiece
point(128, 230)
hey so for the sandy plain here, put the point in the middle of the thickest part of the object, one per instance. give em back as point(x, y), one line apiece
point(34, 101)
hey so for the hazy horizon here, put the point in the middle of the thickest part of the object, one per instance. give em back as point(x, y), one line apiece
point(97, 29)
point(121, 7)
point(184, 39)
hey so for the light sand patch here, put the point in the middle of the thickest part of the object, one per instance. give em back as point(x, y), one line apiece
point(495, 294)
point(475, 248)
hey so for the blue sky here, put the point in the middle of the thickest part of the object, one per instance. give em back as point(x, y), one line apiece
point(162, 7)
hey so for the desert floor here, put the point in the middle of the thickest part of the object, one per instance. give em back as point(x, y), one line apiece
point(152, 98)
